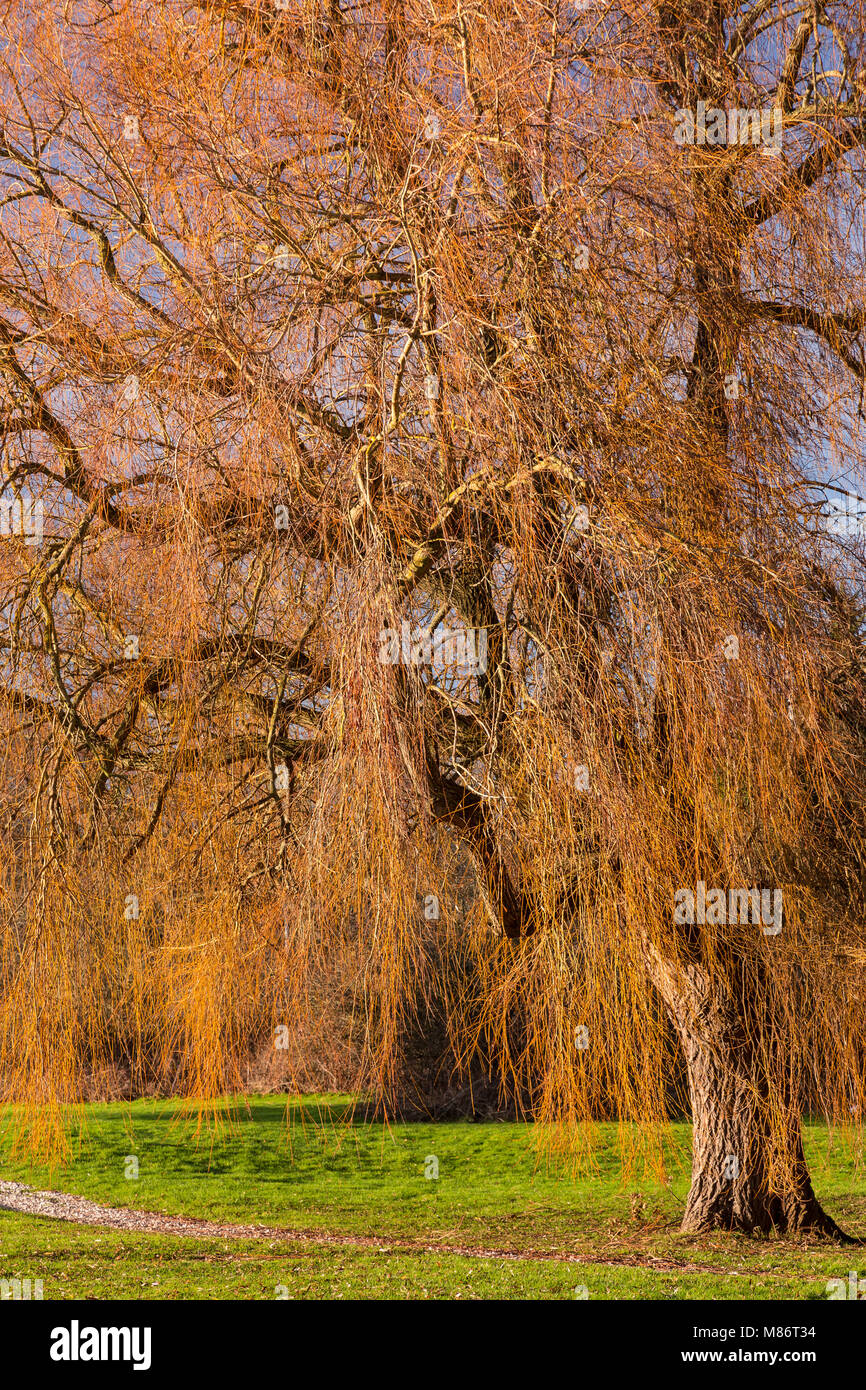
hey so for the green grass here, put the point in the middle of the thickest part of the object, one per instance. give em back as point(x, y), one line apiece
point(310, 1168)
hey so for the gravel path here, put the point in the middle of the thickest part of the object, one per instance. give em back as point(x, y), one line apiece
point(64, 1206)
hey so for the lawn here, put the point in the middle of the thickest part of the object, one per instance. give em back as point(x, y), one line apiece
point(310, 1168)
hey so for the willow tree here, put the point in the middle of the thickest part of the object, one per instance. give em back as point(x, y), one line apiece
point(327, 327)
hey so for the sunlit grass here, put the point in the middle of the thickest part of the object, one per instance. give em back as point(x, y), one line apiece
point(306, 1166)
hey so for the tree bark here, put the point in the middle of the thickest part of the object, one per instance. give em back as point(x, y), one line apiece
point(734, 1136)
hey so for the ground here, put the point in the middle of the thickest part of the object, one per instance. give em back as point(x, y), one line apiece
point(367, 1218)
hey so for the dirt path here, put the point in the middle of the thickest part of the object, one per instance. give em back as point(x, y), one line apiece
point(64, 1206)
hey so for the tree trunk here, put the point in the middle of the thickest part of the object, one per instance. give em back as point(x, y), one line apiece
point(739, 1123)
